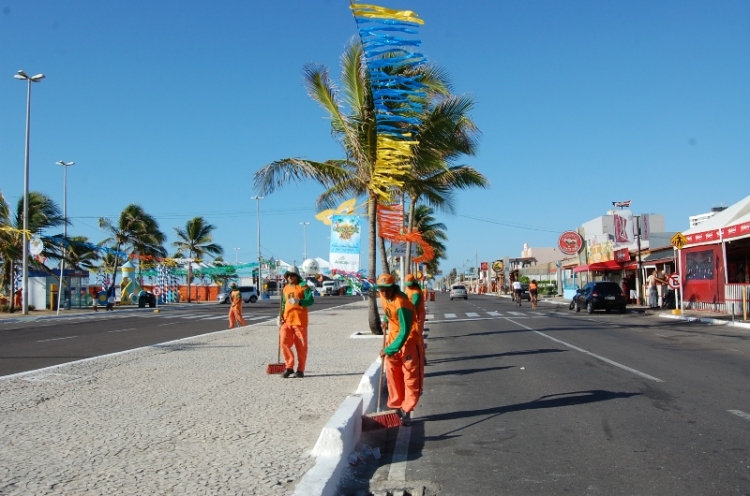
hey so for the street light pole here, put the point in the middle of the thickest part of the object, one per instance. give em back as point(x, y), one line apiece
point(65, 166)
point(236, 256)
point(257, 214)
point(25, 277)
point(304, 240)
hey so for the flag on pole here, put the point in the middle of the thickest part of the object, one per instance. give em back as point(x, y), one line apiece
point(622, 204)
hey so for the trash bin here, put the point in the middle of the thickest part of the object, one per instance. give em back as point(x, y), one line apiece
point(432, 296)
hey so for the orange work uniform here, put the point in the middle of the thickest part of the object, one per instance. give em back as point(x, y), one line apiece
point(235, 310)
point(403, 362)
point(417, 299)
point(295, 298)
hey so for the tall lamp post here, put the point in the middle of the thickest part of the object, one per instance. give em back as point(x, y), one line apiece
point(304, 240)
point(65, 166)
point(236, 256)
point(257, 214)
point(25, 277)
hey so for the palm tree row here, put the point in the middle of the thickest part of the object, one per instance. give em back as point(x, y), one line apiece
point(446, 133)
point(135, 232)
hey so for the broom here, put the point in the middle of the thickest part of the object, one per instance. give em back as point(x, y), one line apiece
point(279, 367)
point(381, 420)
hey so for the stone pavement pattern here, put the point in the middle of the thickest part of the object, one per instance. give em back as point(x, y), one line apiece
point(196, 416)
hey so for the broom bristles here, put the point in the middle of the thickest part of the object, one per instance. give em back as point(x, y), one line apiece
point(383, 420)
point(275, 368)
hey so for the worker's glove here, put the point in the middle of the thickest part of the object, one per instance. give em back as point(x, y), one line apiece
point(279, 321)
point(292, 301)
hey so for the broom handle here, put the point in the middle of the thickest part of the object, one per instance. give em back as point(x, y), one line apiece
point(281, 301)
point(382, 373)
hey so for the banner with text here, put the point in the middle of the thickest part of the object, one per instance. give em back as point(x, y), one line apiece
point(346, 233)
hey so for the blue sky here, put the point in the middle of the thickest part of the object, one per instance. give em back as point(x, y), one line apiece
point(175, 104)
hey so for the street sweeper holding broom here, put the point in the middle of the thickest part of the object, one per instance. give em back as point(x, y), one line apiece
point(414, 292)
point(402, 353)
point(295, 299)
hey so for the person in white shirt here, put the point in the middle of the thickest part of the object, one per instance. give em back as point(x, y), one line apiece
point(517, 290)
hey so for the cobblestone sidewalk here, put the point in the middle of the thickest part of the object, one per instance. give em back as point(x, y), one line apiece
point(196, 416)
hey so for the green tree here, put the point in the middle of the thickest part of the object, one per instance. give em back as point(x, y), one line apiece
point(196, 240)
point(433, 233)
point(80, 255)
point(134, 230)
point(43, 214)
point(353, 125)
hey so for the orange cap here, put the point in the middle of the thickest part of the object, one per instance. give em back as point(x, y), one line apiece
point(385, 281)
point(409, 279)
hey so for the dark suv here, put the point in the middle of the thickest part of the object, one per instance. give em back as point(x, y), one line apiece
point(601, 295)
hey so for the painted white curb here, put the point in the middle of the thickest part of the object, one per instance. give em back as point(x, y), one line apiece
point(339, 437)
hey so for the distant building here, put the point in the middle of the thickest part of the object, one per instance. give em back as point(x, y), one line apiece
point(697, 219)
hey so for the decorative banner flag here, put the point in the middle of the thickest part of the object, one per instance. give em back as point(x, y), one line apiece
point(389, 44)
point(622, 204)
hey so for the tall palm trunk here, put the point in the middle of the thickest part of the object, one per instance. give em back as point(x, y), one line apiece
point(383, 255)
point(373, 316)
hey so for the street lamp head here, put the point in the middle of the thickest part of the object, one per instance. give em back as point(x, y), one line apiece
point(257, 197)
point(64, 164)
point(34, 79)
point(37, 78)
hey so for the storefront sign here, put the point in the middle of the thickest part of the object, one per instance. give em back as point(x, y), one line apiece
point(483, 266)
point(622, 255)
point(570, 242)
point(497, 267)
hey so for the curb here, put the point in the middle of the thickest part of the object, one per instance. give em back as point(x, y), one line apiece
point(339, 437)
point(706, 320)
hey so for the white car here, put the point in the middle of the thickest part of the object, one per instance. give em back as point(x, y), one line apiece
point(458, 291)
point(249, 295)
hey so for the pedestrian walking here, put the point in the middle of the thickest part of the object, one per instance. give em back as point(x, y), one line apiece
point(235, 307)
point(95, 300)
point(296, 297)
point(401, 355)
point(110, 298)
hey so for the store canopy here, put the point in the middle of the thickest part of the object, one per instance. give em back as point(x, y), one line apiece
point(609, 265)
point(733, 222)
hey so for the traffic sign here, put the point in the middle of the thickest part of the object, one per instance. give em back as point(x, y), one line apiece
point(679, 240)
point(673, 280)
point(156, 290)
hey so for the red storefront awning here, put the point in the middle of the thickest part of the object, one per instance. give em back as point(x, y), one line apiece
point(609, 265)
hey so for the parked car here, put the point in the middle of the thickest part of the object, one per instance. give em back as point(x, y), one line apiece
point(146, 299)
point(599, 295)
point(249, 294)
point(458, 291)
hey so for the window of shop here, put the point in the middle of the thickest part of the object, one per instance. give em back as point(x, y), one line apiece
point(699, 265)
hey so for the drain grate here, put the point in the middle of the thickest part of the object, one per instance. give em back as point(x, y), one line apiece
point(58, 378)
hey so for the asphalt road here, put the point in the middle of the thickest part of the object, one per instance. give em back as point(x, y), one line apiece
point(551, 401)
point(30, 344)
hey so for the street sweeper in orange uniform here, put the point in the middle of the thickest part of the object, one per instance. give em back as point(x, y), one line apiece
point(402, 353)
point(295, 299)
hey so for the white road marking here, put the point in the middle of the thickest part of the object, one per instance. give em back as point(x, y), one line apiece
point(495, 314)
point(519, 314)
point(215, 317)
point(740, 413)
point(472, 314)
point(170, 323)
point(592, 355)
point(450, 315)
point(397, 471)
point(430, 316)
point(56, 339)
point(123, 330)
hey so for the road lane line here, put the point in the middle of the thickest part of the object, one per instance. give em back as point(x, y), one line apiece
point(740, 413)
point(592, 355)
point(495, 314)
point(397, 471)
point(168, 323)
point(472, 314)
point(450, 315)
point(56, 339)
point(123, 330)
point(430, 316)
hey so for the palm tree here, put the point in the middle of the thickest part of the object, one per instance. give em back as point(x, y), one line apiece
point(79, 253)
point(134, 230)
point(43, 214)
point(196, 240)
point(432, 232)
point(353, 125)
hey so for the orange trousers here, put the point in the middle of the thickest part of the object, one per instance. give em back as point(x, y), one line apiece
point(235, 315)
point(403, 371)
point(295, 336)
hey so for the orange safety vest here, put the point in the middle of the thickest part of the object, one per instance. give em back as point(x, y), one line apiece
point(403, 328)
point(295, 314)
